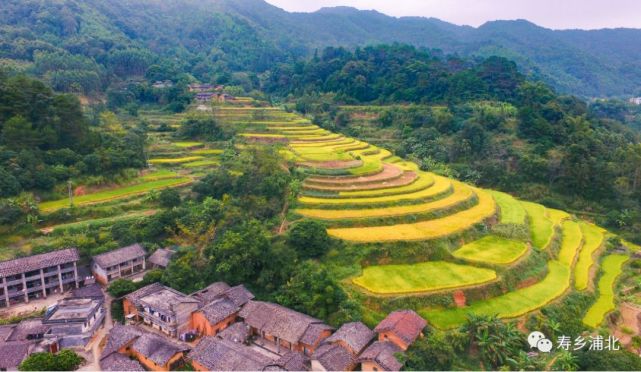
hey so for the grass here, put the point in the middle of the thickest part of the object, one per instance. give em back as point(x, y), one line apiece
point(202, 163)
point(593, 237)
point(421, 277)
point(441, 185)
point(461, 194)
point(424, 230)
point(512, 212)
point(186, 159)
point(612, 266)
point(541, 228)
point(159, 175)
point(509, 305)
point(571, 243)
point(493, 250)
point(116, 193)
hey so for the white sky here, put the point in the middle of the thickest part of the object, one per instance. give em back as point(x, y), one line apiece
point(556, 14)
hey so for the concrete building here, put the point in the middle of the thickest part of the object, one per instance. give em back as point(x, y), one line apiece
point(38, 276)
point(119, 263)
point(74, 321)
point(162, 308)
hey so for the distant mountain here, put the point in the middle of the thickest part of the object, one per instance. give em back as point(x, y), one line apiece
point(213, 36)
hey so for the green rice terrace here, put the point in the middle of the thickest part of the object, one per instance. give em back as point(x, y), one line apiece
point(417, 239)
point(411, 238)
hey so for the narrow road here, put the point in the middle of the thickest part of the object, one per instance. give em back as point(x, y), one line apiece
point(94, 345)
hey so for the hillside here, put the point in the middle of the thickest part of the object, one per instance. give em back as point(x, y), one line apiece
point(217, 37)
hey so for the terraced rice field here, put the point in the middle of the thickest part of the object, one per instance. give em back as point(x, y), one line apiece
point(422, 277)
point(541, 227)
point(612, 266)
point(510, 305)
point(186, 159)
point(365, 195)
point(492, 250)
point(593, 237)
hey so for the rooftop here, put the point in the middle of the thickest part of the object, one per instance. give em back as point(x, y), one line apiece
point(161, 257)
point(119, 362)
point(156, 348)
point(356, 335)
point(279, 321)
point(238, 332)
point(28, 329)
point(223, 355)
point(165, 299)
point(118, 337)
point(334, 358)
point(291, 361)
point(73, 309)
point(211, 292)
point(382, 353)
point(39, 261)
point(219, 310)
point(406, 324)
point(12, 354)
point(119, 255)
point(89, 291)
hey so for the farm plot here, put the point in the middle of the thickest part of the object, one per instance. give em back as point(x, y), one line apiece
point(172, 161)
point(461, 194)
point(593, 237)
point(572, 241)
point(612, 267)
point(509, 305)
point(421, 277)
point(440, 186)
point(422, 182)
point(541, 228)
point(512, 212)
point(425, 230)
point(492, 250)
point(115, 193)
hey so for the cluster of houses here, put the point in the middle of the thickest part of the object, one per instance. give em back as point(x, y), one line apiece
point(635, 101)
point(221, 327)
point(208, 93)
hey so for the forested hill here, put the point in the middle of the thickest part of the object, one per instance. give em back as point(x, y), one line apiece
point(211, 38)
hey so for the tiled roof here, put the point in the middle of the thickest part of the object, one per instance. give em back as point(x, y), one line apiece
point(356, 335)
point(118, 337)
point(144, 291)
point(28, 328)
point(239, 295)
point(292, 361)
point(334, 358)
point(211, 292)
point(156, 348)
point(119, 255)
point(277, 320)
point(238, 332)
point(313, 333)
point(406, 324)
point(166, 299)
point(119, 362)
point(12, 354)
point(383, 354)
point(219, 310)
point(5, 331)
point(39, 261)
point(161, 257)
point(222, 355)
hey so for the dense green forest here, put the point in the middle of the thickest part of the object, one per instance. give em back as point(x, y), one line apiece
point(86, 46)
point(482, 122)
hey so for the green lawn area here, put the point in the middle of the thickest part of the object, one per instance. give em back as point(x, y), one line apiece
point(421, 277)
point(593, 237)
point(571, 243)
point(509, 305)
point(512, 212)
point(541, 228)
point(493, 250)
point(116, 193)
point(611, 266)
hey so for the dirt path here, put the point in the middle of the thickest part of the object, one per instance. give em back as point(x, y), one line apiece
point(94, 345)
point(630, 314)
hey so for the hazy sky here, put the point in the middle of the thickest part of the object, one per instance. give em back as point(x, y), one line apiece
point(557, 14)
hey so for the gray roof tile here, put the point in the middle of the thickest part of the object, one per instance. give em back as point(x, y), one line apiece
point(334, 358)
point(356, 335)
point(222, 355)
point(383, 354)
point(39, 261)
point(119, 255)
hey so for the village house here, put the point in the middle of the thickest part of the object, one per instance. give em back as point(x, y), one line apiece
point(380, 356)
point(206, 97)
point(401, 327)
point(635, 101)
point(162, 308)
point(27, 278)
point(220, 305)
point(151, 351)
point(281, 329)
point(200, 88)
point(13, 353)
point(18, 341)
point(74, 321)
point(119, 263)
point(340, 351)
point(163, 84)
point(215, 354)
point(160, 258)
